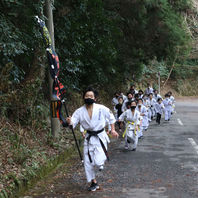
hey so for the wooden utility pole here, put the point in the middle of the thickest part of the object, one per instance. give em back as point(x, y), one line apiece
point(55, 124)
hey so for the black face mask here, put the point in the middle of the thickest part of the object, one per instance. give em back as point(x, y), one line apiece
point(89, 101)
point(133, 107)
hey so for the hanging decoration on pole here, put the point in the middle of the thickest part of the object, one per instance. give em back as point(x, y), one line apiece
point(58, 89)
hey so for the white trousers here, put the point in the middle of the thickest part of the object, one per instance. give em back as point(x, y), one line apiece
point(151, 113)
point(132, 145)
point(167, 114)
point(140, 131)
point(98, 158)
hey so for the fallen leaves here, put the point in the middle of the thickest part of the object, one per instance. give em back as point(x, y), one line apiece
point(20, 156)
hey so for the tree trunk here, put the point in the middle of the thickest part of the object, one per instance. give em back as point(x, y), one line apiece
point(55, 124)
point(172, 67)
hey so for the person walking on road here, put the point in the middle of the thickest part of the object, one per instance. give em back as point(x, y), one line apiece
point(144, 114)
point(168, 107)
point(130, 97)
point(118, 107)
point(173, 101)
point(93, 118)
point(149, 89)
point(152, 103)
point(132, 118)
point(159, 108)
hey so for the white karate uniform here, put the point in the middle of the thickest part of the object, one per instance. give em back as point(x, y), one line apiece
point(159, 108)
point(146, 103)
point(156, 97)
point(168, 107)
point(114, 102)
point(145, 123)
point(100, 115)
point(124, 97)
point(130, 118)
point(141, 96)
point(173, 103)
point(151, 112)
point(124, 107)
point(149, 90)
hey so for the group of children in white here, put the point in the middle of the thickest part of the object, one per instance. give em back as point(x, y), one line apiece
point(135, 110)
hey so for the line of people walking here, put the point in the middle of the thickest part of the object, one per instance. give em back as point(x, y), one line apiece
point(137, 109)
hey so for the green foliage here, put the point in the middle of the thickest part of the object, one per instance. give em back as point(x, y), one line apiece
point(85, 42)
point(21, 154)
point(155, 67)
point(107, 42)
point(103, 43)
point(19, 35)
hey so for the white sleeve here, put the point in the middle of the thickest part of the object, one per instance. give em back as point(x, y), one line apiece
point(75, 118)
point(109, 115)
point(113, 102)
point(81, 129)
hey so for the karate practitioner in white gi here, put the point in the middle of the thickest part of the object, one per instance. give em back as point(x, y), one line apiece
point(156, 95)
point(130, 97)
point(159, 108)
point(132, 118)
point(149, 89)
point(145, 101)
point(144, 114)
point(168, 107)
point(173, 102)
point(152, 103)
point(93, 118)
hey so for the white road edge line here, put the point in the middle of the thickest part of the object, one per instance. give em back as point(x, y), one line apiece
point(194, 144)
point(180, 122)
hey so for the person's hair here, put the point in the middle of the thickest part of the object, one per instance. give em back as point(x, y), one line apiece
point(140, 99)
point(166, 95)
point(170, 92)
point(129, 93)
point(120, 97)
point(151, 94)
point(90, 89)
point(145, 95)
point(116, 93)
point(159, 99)
point(140, 91)
point(136, 95)
point(133, 101)
point(128, 104)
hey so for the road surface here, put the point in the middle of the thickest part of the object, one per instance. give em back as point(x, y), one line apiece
point(165, 165)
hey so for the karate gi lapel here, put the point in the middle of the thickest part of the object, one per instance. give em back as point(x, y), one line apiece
point(91, 120)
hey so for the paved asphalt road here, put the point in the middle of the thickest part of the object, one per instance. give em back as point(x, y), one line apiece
point(165, 165)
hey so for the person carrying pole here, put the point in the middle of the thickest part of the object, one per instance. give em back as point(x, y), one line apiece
point(93, 118)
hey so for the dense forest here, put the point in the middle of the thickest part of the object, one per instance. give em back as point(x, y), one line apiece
point(104, 43)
